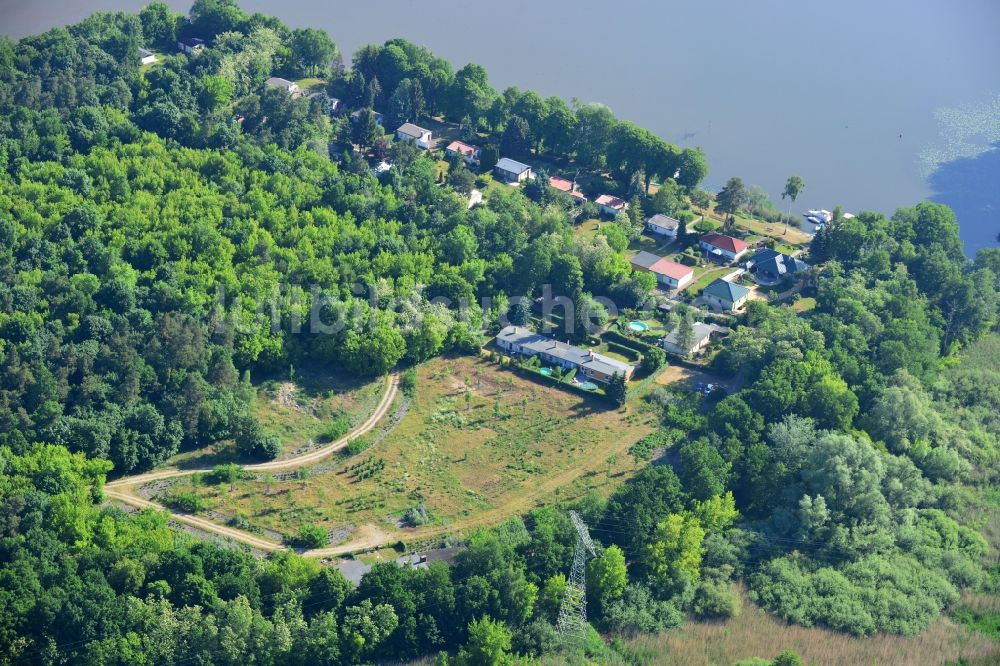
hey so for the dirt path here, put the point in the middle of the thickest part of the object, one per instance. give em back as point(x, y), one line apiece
point(124, 489)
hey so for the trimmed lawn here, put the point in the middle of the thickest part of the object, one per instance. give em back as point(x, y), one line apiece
point(703, 276)
point(477, 445)
point(308, 84)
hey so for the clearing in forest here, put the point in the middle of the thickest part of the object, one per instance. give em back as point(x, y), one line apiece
point(474, 445)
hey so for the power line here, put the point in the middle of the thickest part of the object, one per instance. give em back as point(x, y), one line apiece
point(573, 611)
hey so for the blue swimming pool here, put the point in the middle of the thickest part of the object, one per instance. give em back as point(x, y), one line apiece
point(545, 371)
point(638, 326)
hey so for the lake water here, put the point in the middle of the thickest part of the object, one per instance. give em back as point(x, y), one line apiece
point(875, 104)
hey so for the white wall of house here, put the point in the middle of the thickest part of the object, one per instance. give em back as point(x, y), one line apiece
point(661, 231)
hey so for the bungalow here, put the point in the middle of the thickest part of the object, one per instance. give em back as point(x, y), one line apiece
point(468, 152)
point(725, 296)
point(190, 45)
point(146, 57)
point(668, 273)
point(289, 87)
point(662, 225)
point(771, 267)
point(567, 186)
point(701, 335)
point(411, 132)
point(512, 171)
point(519, 340)
point(355, 115)
point(722, 248)
point(611, 205)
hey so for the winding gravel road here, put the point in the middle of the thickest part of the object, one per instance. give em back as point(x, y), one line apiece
point(123, 489)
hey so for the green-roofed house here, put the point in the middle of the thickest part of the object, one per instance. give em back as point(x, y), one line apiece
point(725, 296)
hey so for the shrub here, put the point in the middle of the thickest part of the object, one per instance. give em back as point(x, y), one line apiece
point(227, 473)
point(416, 516)
point(653, 360)
point(184, 502)
point(310, 536)
point(356, 446)
point(408, 382)
point(715, 599)
point(335, 430)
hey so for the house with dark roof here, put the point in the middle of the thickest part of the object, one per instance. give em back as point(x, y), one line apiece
point(662, 225)
point(521, 341)
point(611, 205)
point(289, 87)
point(190, 45)
point(146, 57)
point(470, 154)
point(725, 296)
point(415, 133)
point(669, 274)
point(511, 171)
point(722, 248)
point(772, 267)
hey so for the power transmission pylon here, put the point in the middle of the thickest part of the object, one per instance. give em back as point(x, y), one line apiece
point(573, 611)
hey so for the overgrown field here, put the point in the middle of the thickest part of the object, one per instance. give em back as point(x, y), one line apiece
point(477, 444)
point(755, 633)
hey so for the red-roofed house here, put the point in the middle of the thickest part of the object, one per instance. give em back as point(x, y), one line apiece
point(567, 186)
point(722, 248)
point(468, 152)
point(668, 273)
point(611, 205)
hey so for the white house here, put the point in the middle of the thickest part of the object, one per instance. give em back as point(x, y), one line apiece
point(468, 152)
point(720, 247)
point(332, 103)
point(598, 367)
point(190, 45)
point(356, 115)
point(669, 274)
point(512, 171)
point(725, 295)
point(662, 225)
point(411, 132)
point(611, 205)
point(146, 57)
point(289, 87)
point(701, 335)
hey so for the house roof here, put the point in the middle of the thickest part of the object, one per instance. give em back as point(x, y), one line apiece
point(645, 259)
point(671, 269)
point(145, 53)
point(663, 221)
point(537, 343)
point(191, 41)
point(511, 166)
point(278, 81)
point(611, 201)
point(701, 331)
point(726, 291)
point(461, 147)
point(727, 243)
point(409, 129)
point(782, 264)
point(763, 255)
point(661, 266)
point(561, 184)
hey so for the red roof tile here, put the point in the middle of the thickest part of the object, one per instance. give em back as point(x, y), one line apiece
point(671, 269)
point(462, 147)
point(727, 243)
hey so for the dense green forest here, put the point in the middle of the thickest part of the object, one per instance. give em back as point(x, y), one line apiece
point(168, 232)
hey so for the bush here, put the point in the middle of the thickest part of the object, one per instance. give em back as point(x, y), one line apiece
point(356, 446)
point(715, 599)
point(416, 516)
point(227, 473)
point(310, 536)
point(653, 360)
point(335, 430)
point(408, 382)
point(184, 502)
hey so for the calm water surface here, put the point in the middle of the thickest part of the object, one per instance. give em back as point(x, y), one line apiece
point(876, 104)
